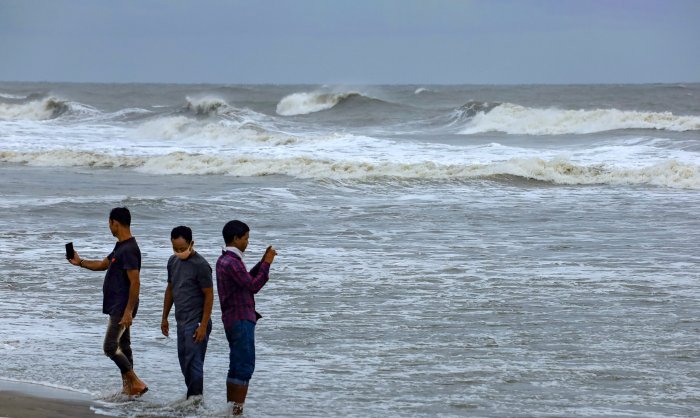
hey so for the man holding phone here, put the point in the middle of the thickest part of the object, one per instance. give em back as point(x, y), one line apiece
point(120, 296)
point(237, 288)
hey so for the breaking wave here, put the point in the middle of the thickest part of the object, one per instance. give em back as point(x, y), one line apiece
point(472, 108)
point(210, 107)
point(39, 109)
point(70, 159)
point(520, 120)
point(671, 173)
point(305, 103)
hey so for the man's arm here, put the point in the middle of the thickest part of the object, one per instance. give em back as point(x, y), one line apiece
point(258, 276)
point(94, 265)
point(251, 282)
point(167, 305)
point(134, 288)
point(201, 332)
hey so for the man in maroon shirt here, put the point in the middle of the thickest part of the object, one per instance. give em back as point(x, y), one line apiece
point(236, 287)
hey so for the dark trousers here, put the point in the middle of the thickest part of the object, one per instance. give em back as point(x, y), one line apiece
point(191, 355)
point(117, 345)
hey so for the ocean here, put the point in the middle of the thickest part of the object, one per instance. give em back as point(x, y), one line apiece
point(489, 251)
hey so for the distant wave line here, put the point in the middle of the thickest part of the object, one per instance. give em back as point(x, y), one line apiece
point(671, 173)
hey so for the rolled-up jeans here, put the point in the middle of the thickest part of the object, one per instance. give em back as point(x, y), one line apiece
point(191, 355)
point(241, 342)
point(117, 345)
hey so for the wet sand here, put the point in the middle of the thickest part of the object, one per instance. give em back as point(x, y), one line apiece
point(19, 405)
point(23, 400)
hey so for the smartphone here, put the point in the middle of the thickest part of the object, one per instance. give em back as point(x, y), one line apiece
point(70, 252)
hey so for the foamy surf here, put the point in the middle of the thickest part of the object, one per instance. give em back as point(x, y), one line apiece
point(211, 132)
point(519, 120)
point(64, 158)
point(673, 174)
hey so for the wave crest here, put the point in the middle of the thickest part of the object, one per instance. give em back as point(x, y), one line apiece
point(305, 103)
point(207, 106)
point(473, 108)
point(40, 109)
point(520, 120)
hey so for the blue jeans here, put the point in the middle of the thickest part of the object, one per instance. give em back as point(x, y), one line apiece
point(241, 342)
point(191, 355)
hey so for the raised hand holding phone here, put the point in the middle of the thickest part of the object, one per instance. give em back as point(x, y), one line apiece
point(270, 254)
point(70, 252)
point(71, 255)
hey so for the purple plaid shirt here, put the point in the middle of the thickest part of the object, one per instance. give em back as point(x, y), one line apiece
point(236, 287)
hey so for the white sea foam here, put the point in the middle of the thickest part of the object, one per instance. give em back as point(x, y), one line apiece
point(305, 103)
point(219, 132)
point(62, 158)
point(420, 90)
point(515, 119)
point(671, 173)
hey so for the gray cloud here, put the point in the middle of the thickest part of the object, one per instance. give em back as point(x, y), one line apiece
point(380, 41)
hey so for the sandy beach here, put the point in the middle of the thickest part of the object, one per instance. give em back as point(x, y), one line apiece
point(23, 400)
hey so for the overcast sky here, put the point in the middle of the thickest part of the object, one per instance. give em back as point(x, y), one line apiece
point(351, 41)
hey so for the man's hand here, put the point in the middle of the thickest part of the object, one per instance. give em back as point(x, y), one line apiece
point(270, 254)
point(165, 327)
point(75, 260)
point(201, 333)
point(126, 319)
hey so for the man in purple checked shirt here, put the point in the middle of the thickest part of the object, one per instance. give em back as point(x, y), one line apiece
point(237, 287)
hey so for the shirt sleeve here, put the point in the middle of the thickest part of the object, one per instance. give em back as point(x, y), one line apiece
point(170, 269)
point(252, 282)
point(204, 276)
point(132, 258)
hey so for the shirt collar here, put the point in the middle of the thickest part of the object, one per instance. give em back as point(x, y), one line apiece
point(236, 251)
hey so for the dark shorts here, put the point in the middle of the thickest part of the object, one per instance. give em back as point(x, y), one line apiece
point(241, 342)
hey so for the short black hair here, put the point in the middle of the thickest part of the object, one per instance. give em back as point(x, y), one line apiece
point(121, 215)
point(234, 229)
point(181, 232)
